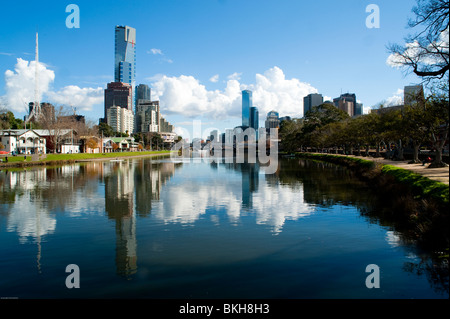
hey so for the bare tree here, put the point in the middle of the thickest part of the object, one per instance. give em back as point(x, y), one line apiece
point(425, 53)
point(57, 127)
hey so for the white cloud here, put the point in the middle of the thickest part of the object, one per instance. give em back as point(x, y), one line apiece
point(272, 91)
point(20, 89)
point(20, 84)
point(396, 99)
point(235, 76)
point(185, 95)
point(159, 52)
point(82, 98)
point(214, 78)
point(155, 51)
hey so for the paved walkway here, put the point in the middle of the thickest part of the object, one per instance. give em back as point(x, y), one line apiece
point(438, 174)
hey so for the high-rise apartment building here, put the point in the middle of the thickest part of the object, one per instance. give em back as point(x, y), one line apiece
point(125, 56)
point(147, 116)
point(311, 100)
point(120, 119)
point(247, 103)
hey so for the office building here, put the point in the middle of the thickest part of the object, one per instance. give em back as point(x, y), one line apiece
point(254, 117)
point(214, 136)
point(247, 103)
point(143, 92)
point(348, 103)
point(413, 94)
point(272, 120)
point(125, 56)
point(310, 101)
point(118, 94)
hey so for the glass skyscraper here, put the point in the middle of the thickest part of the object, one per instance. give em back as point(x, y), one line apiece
point(254, 120)
point(254, 117)
point(246, 105)
point(125, 56)
point(143, 92)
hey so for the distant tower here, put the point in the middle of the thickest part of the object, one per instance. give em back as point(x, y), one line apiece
point(125, 57)
point(35, 107)
point(37, 104)
point(246, 106)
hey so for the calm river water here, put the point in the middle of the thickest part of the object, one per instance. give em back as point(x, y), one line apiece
point(154, 228)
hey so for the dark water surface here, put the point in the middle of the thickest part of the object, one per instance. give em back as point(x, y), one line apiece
point(154, 228)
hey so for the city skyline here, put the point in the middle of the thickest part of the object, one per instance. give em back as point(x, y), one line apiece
point(202, 80)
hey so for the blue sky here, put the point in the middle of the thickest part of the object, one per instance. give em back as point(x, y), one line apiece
point(197, 55)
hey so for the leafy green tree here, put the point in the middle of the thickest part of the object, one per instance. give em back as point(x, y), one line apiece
point(414, 118)
point(290, 134)
point(322, 115)
point(105, 129)
point(8, 121)
point(316, 119)
point(437, 113)
point(355, 134)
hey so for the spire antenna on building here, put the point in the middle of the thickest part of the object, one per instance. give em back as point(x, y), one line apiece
point(35, 111)
point(37, 105)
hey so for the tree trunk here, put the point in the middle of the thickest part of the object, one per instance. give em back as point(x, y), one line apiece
point(377, 154)
point(438, 144)
point(415, 153)
point(400, 156)
point(438, 155)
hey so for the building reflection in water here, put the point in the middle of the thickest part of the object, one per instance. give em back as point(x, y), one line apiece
point(130, 188)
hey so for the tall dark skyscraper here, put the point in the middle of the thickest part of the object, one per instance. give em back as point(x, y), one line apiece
point(247, 103)
point(143, 92)
point(254, 117)
point(254, 120)
point(310, 101)
point(125, 56)
point(118, 94)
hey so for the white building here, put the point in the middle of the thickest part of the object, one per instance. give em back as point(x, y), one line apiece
point(22, 141)
point(120, 119)
point(229, 134)
point(168, 137)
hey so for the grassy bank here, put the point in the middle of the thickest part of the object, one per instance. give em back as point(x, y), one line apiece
point(18, 161)
point(417, 206)
point(421, 186)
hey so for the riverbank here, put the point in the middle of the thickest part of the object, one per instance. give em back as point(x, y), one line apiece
point(423, 180)
point(418, 205)
point(60, 159)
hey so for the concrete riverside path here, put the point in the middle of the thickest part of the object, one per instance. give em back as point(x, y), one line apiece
point(439, 174)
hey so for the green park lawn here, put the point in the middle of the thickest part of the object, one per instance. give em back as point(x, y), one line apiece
point(82, 156)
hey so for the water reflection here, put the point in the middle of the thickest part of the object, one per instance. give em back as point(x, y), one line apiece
point(125, 192)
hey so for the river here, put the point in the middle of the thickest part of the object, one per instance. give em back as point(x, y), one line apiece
point(158, 228)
